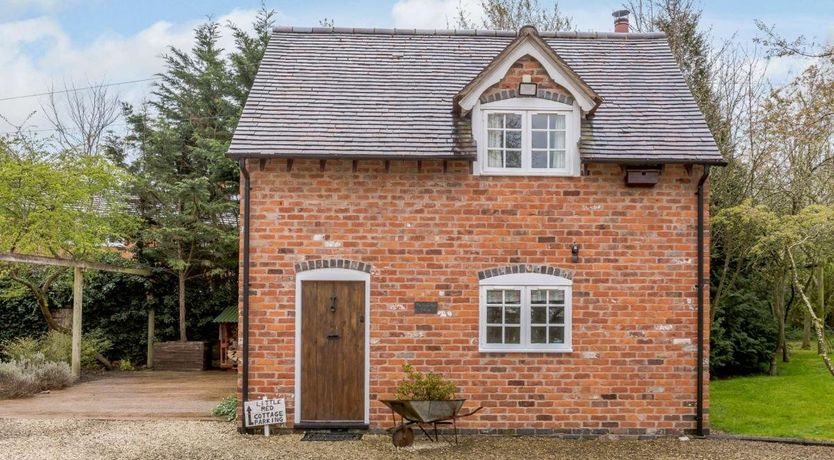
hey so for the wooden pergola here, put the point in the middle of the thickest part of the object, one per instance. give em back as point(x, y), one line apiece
point(78, 267)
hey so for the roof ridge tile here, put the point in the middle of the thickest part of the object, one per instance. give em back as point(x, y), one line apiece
point(467, 32)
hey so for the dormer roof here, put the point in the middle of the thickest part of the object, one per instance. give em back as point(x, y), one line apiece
point(529, 43)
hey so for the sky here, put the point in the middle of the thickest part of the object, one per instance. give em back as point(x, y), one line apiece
point(52, 43)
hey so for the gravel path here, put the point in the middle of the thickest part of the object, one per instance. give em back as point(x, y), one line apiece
point(95, 439)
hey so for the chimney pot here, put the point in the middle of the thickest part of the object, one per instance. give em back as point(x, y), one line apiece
point(620, 21)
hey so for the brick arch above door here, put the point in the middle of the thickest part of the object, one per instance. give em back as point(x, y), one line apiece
point(333, 263)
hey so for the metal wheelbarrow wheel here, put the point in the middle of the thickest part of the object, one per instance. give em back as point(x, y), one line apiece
point(403, 436)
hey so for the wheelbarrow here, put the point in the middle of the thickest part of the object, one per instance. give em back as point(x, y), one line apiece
point(422, 414)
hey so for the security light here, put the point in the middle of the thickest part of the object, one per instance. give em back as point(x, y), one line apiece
point(527, 87)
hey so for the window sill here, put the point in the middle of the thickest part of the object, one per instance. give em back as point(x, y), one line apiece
point(525, 350)
point(527, 172)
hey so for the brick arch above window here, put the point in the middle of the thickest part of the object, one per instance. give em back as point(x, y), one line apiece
point(512, 93)
point(333, 263)
point(524, 268)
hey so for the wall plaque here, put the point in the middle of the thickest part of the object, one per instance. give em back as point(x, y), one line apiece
point(425, 307)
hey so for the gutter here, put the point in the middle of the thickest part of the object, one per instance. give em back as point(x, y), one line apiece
point(245, 313)
point(699, 405)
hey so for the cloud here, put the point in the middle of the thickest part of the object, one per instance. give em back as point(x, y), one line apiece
point(38, 54)
point(14, 8)
point(39, 5)
point(432, 14)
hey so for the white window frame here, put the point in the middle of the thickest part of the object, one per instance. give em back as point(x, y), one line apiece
point(526, 282)
point(526, 143)
point(527, 107)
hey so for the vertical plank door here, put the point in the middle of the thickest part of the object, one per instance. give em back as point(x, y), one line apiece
point(332, 351)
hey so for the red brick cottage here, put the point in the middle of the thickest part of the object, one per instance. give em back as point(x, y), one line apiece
point(518, 211)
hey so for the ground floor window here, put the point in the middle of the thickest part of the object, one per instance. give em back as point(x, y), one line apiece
point(525, 312)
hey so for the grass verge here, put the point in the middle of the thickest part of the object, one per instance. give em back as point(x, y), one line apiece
point(797, 403)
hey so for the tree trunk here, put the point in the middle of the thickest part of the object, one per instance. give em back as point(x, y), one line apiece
point(786, 356)
point(806, 331)
point(41, 294)
point(181, 293)
point(783, 320)
point(778, 311)
point(819, 326)
point(821, 294)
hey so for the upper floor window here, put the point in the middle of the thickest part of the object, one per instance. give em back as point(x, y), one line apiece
point(526, 142)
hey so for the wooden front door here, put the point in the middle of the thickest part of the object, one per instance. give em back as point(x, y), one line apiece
point(332, 351)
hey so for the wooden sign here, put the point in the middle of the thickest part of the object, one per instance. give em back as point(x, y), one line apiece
point(261, 412)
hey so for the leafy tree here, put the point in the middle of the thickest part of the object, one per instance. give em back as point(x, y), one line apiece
point(186, 187)
point(56, 204)
point(514, 14)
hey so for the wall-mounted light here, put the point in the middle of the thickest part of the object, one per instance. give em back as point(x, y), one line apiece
point(527, 87)
point(574, 250)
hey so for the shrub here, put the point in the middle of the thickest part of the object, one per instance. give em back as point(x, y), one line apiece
point(52, 375)
point(743, 336)
point(57, 347)
point(16, 382)
point(27, 376)
point(21, 348)
point(227, 408)
point(125, 365)
point(418, 386)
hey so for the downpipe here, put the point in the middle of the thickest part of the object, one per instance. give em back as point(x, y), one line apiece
point(245, 313)
point(699, 404)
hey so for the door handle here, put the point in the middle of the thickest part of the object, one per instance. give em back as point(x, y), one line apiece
point(333, 304)
point(333, 336)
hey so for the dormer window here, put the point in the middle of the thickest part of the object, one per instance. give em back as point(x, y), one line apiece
point(526, 140)
point(526, 136)
point(526, 109)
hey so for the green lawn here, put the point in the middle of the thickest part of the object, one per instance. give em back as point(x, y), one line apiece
point(798, 403)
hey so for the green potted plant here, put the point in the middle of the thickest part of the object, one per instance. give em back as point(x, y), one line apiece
point(418, 386)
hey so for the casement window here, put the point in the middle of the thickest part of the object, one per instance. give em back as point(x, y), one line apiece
point(525, 312)
point(526, 141)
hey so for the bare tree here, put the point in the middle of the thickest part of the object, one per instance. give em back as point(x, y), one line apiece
point(643, 13)
point(82, 116)
point(800, 46)
point(514, 14)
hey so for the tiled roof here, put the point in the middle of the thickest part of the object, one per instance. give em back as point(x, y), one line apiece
point(387, 93)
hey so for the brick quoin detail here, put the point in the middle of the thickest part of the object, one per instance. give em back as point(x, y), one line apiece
point(507, 88)
point(543, 269)
point(429, 234)
point(333, 263)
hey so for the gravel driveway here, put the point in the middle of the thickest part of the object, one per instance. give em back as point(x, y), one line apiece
point(96, 439)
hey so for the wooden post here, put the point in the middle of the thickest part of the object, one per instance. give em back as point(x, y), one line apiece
point(151, 332)
point(266, 427)
point(77, 288)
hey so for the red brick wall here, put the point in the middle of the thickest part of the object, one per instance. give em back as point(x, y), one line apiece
point(526, 66)
point(428, 233)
